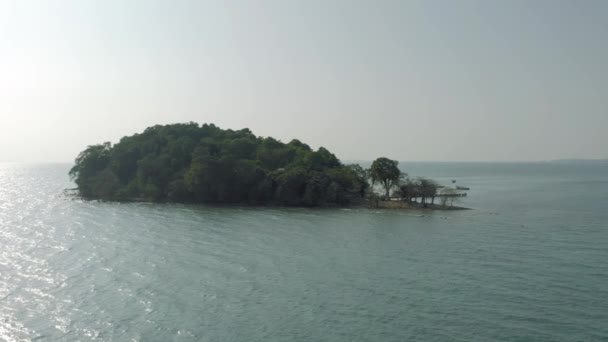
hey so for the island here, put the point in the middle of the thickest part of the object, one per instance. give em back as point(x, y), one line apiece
point(192, 163)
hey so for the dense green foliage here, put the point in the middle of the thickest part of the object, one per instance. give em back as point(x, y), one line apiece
point(386, 172)
point(192, 163)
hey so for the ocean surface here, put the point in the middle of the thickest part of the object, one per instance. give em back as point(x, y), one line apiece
point(529, 263)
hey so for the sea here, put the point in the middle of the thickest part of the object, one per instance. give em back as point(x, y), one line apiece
point(529, 262)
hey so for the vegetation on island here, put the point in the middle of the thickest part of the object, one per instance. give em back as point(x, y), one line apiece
point(189, 163)
point(398, 187)
point(192, 163)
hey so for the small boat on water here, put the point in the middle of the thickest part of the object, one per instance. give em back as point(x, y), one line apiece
point(462, 188)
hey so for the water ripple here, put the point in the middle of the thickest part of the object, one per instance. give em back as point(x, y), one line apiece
point(72, 270)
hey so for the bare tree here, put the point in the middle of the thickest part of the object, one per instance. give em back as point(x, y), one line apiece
point(407, 190)
point(428, 189)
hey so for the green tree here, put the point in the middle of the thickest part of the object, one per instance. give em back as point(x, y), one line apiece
point(89, 164)
point(291, 185)
point(361, 183)
point(386, 172)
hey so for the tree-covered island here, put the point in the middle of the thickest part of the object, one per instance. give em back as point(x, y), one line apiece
point(189, 163)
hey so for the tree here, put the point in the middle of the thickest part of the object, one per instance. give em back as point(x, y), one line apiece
point(428, 189)
point(386, 172)
point(88, 168)
point(408, 190)
point(362, 177)
point(291, 186)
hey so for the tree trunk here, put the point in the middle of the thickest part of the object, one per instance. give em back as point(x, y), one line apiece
point(388, 189)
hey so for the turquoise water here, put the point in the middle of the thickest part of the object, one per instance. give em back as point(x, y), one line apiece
point(528, 264)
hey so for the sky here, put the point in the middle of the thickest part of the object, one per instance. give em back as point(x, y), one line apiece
point(452, 80)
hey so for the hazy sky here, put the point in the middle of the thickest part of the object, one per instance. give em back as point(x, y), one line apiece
point(410, 80)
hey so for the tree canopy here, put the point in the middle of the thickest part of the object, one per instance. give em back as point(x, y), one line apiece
point(386, 172)
point(193, 163)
